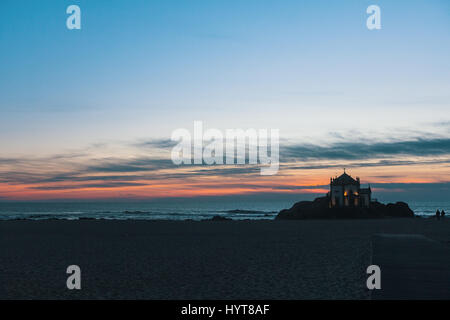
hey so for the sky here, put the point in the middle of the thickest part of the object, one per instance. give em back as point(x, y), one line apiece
point(89, 113)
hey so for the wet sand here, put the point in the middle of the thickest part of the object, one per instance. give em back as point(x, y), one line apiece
point(200, 260)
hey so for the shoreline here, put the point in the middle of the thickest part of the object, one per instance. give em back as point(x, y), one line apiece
point(221, 218)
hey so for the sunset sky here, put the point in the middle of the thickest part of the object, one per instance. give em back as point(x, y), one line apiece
point(88, 114)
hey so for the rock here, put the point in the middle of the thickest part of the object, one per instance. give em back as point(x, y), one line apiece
point(319, 209)
point(399, 209)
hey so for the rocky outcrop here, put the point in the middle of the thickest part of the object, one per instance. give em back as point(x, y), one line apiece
point(399, 209)
point(319, 209)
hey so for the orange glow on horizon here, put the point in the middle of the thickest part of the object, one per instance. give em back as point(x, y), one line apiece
point(206, 182)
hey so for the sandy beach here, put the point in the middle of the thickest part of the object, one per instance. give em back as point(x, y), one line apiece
point(208, 260)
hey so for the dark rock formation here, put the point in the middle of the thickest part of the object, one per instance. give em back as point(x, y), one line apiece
point(319, 209)
point(399, 209)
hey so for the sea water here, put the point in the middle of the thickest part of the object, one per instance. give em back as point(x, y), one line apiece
point(168, 209)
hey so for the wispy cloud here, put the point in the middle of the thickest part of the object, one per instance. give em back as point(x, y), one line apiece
point(360, 150)
point(90, 186)
point(365, 164)
point(89, 169)
point(156, 143)
point(414, 186)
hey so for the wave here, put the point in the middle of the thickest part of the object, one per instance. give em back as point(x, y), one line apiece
point(241, 211)
point(136, 212)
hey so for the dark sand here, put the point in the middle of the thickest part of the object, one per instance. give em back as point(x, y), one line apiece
point(208, 260)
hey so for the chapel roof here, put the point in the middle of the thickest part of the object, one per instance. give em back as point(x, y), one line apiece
point(344, 179)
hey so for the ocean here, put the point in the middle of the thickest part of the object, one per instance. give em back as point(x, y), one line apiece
point(168, 209)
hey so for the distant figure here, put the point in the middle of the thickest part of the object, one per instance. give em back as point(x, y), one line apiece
point(438, 214)
point(442, 213)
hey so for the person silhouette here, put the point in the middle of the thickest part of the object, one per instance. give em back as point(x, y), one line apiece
point(442, 213)
point(438, 214)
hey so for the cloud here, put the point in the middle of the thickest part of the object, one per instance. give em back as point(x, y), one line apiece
point(413, 186)
point(362, 150)
point(364, 164)
point(90, 186)
point(8, 161)
point(132, 165)
point(118, 169)
point(264, 186)
point(86, 170)
point(442, 123)
point(157, 143)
